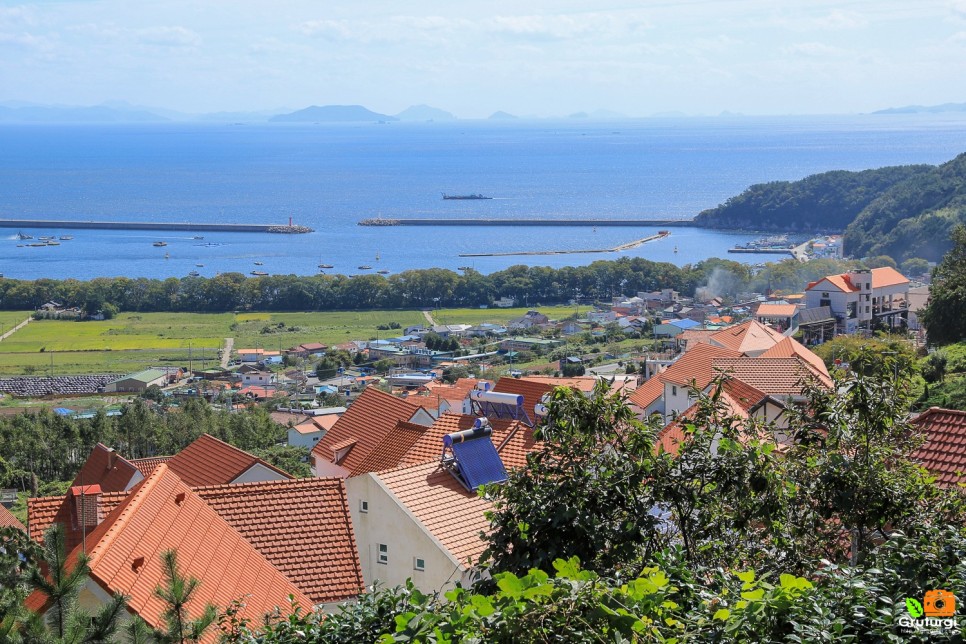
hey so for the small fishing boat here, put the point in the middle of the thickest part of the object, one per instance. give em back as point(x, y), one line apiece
point(259, 273)
point(51, 242)
point(47, 238)
point(194, 274)
point(200, 265)
point(159, 244)
point(326, 266)
point(259, 263)
point(198, 237)
point(22, 236)
point(365, 267)
point(383, 272)
point(65, 238)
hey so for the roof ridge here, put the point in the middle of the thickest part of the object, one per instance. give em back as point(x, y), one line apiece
point(304, 480)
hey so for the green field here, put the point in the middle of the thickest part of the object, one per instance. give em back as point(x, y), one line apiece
point(498, 316)
point(133, 341)
point(10, 319)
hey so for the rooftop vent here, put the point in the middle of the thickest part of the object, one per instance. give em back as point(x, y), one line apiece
point(471, 457)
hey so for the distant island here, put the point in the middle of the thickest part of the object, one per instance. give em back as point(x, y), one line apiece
point(900, 211)
point(332, 114)
point(925, 109)
point(425, 113)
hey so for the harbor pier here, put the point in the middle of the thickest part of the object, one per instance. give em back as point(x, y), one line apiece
point(288, 228)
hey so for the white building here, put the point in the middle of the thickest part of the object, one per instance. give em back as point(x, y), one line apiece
point(861, 297)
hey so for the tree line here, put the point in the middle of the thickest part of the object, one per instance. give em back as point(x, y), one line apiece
point(528, 285)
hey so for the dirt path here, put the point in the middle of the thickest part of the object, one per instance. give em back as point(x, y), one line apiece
point(15, 329)
point(429, 318)
point(226, 352)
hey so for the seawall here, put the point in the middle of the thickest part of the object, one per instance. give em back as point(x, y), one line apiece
point(525, 222)
point(153, 225)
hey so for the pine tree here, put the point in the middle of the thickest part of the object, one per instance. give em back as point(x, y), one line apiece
point(177, 594)
point(945, 315)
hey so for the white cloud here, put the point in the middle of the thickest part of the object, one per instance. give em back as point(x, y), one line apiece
point(814, 50)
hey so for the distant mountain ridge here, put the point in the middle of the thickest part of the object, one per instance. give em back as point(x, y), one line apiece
point(900, 211)
point(924, 109)
point(332, 114)
point(64, 114)
point(425, 113)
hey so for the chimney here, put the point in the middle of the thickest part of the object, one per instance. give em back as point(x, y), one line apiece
point(87, 505)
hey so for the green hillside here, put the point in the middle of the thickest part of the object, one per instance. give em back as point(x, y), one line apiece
point(825, 202)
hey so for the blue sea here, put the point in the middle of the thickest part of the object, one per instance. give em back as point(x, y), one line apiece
point(329, 177)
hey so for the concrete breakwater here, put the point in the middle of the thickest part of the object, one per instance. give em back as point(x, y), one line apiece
point(615, 249)
point(525, 222)
point(156, 225)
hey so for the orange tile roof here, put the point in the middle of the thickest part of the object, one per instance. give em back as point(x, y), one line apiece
point(209, 461)
point(317, 424)
point(447, 510)
point(695, 365)
point(692, 337)
point(585, 384)
point(776, 310)
point(301, 526)
point(840, 282)
point(7, 520)
point(887, 276)
point(773, 376)
point(106, 468)
point(45, 510)
point(389, 453)
point(367, 422)
point(647, 393)
point(790, 347)
point(162, 513)
point(944, 452)
point(531, 391)
point(513, 452)
point(741, 395)
point(147, 465)
point(748, 337)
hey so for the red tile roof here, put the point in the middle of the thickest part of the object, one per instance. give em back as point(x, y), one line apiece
point(944, 452)
point(776, 310)
point(147, 465)
point(748, 337)
point(447, 510)
point(301, 526)
point(7, 520)
point(46, 510)
point(389, 453)
point(790, 347)
point(513, 453)
point(367, 422)
point(881, 278)
point(775, 376)
point(209, 461)
point(530, 390)
point(106, 468)
point(162, 513)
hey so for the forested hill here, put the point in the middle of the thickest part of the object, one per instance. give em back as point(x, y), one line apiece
point(900, 211)
point(826, 202)
point(913, 218)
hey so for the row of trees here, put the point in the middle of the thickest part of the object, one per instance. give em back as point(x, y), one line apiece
point(529, 285)
point(42, 447)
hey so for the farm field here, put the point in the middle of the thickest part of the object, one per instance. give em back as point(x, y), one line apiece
point(498, 316)
point(9, 319)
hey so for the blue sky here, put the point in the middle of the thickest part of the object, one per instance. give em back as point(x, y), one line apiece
point(472, 58)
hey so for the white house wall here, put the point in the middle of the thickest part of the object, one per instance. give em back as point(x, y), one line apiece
point(388, 522)
point(258, 473)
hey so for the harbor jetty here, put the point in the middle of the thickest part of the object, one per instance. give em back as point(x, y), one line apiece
point(380, 221)
point(289, 228)
point(616, 249)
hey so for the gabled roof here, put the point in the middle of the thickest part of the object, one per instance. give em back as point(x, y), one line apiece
point(944, 452)
point(160, 514)
point(106, 468)
point(775, 376)
point(695, 365)
point(748, 337)
point(209, 461)
point(776, 310)
point(144, 376)
point(7, 520)
point(147, 465)
point(881, 278)
point(790, 347)
point(389, 453)
point(367, 422)
point(585, 384)
point(300, 526)
point(447, 510)
point(43, 511)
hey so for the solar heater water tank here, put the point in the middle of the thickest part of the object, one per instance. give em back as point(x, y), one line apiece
point(497, 398)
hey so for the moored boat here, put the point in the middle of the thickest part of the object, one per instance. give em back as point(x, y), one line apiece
point(465, 197)
point(159, 243)
point(259, 273)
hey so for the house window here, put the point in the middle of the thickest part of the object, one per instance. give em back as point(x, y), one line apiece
point(674, 390)
point(866, 309)
point(363, 506)
point(383, 553)
point(825, 296)
point(419, 564)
